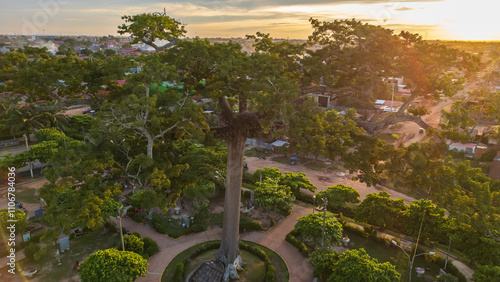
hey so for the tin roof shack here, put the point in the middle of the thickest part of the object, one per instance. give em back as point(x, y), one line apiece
point(469, 148)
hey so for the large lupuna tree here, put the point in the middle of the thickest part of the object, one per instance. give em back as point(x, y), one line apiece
point(261, 88)
point(355, 58)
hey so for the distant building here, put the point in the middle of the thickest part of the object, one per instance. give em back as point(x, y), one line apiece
point(468, 148)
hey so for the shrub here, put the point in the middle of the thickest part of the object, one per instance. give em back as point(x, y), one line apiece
point(133, 244)
point(110, 227)
point(246, 194)
point(301, 247)
point(489, 155)
point(270, 273)
point(31, 250)
point(248, 178)
point(179, 272)
point(137, 234)
point(137, 217)
point(150, 247)
point(36, 238)
point(273, 222)
point(301, 196)
point(250, 225)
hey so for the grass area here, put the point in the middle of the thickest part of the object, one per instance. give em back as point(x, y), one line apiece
point(251, 272)
point(315, 165)
point(254, 269)
point(257, 152)
point(80, 248)
point(172, 227)
point(388, 137)
point(281, 159)
point(216, 219)
point(395, 256)
point(280, 268)
point(27, 195)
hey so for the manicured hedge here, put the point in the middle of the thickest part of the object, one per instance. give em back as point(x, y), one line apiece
point(270, 276)
point(301, 196)
point(179, 272)
point(250, 225)
point(301, 247)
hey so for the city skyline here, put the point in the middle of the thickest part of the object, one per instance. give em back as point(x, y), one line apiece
point(438, 19)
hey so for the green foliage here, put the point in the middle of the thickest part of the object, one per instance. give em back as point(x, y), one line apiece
point(301, 247)
point(446, 278)
point(486, 273)
point(137, 217)
point(310, 228)
point(82, 123)
point(357, 265)
point(31, 249)
point(433, 220)
point(338, 195)
point(297, 181)
point(304, 197)
point(149, 27)
point(113, 265)
point(489, 155)
point(267, 172)
point(273, 196)
point(322, 261)
point(419, 111)
point(250, 225)
point(133, 244)
point(379, 209)
point(150, 247)
point(270, 273)
point(179, 272)
point(201, 214)
point(18, 215)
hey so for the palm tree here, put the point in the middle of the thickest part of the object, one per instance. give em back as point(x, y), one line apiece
point(54, 119)
point(25, 118)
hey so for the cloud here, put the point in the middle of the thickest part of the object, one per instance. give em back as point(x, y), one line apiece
point(402, 9)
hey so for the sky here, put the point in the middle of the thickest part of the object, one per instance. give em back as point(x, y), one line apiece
point(432, 19)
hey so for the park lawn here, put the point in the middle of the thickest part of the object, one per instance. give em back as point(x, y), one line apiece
point(80, 248)
point(176, 230)
point(315, 165)
point(27, 195)
point(393, 255)
point(280, 268)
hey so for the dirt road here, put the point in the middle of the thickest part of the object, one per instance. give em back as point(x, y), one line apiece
point(323, 179)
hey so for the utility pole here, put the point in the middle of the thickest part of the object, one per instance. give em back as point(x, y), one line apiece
point(121, 229)
point(27, 147)
point(392, 99)
point(442, 108)
point(447, 254)
point(325, 200)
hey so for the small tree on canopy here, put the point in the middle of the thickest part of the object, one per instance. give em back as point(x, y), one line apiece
point(113, 265)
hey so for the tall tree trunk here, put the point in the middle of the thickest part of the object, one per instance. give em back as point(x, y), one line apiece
point(150, 145)
point(230, 233)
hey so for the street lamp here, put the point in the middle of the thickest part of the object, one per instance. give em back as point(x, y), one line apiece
point(314, 202)
point(27, 147)
point(410, 261)
point(325, 200)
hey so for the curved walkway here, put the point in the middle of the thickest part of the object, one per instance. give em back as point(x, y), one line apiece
point(299, 268)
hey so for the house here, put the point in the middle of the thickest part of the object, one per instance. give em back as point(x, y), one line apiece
point(387, 105)
point(469, 148)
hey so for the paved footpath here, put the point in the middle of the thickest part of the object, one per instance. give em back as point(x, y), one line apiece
point(299, 268)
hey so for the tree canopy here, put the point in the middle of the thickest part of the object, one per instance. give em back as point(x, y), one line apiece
point(113, 265)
